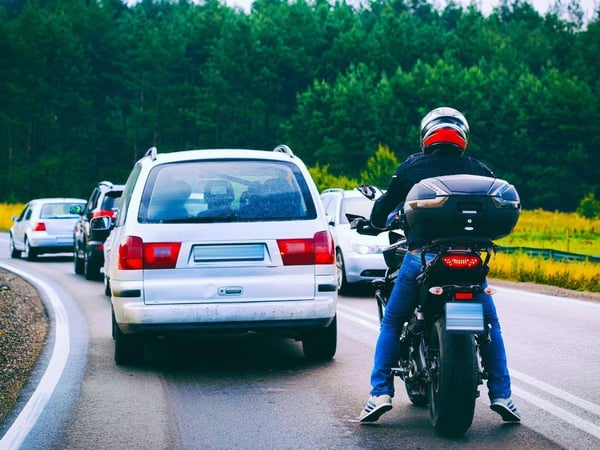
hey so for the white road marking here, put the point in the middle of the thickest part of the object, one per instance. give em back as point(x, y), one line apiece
point(349, 314)
point(556, 411)
point(371, 322)
point(25, 421)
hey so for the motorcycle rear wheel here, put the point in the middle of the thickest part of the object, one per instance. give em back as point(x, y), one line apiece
point(454, 380)
point(415, 391)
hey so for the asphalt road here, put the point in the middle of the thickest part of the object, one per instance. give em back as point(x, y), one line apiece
point(256, 392)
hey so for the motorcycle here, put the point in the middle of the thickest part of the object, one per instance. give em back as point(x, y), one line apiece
point(440, 362)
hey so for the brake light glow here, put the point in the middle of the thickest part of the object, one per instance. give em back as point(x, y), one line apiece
point(463, 296)
point(39, 226)
point(134, 254)
point(104, 212)
point(461, 261)
point(318, 250)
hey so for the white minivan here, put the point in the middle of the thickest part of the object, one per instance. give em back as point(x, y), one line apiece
point(221, 240)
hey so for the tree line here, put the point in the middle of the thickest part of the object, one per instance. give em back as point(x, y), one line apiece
point(86, 86)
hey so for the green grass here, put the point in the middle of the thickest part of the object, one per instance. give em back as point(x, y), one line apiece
point(567, 232)
point(564, 232)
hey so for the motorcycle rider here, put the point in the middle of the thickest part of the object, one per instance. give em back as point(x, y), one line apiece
point(444, 137)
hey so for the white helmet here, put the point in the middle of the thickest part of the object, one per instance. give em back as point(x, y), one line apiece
point(444, 128)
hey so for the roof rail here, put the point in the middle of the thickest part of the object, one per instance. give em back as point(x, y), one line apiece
point(151, 152)
point(284, 149)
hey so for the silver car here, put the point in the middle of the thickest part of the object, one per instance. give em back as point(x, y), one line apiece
point(359, 257)
point(44, 226)
point(220, 240)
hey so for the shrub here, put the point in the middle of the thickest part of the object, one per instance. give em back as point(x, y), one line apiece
point(589, 207)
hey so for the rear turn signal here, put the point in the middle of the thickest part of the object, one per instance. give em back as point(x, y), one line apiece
point(297, 252)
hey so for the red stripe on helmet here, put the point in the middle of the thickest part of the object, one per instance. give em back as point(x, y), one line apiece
point(445, 136)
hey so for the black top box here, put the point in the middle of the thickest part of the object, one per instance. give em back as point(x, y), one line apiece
point(462, 206)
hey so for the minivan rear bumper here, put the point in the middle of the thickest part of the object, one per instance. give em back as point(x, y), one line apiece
point(133, 316)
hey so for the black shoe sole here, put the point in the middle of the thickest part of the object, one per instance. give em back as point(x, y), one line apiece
point(376, 414)
point(507, 414)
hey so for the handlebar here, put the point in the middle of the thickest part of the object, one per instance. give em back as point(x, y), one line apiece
point(363, 226)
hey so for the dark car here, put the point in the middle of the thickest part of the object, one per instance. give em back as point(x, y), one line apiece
point(88, 253)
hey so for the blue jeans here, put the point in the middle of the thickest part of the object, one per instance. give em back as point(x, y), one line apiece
point(400, 307)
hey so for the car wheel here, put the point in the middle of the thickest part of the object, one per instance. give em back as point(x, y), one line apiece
point(320, 344)
point(90, 270)
point(129, 348)
point(29, 253)
point(77, 262)
point(14, 253)
point(342, 282)
point(106, 286)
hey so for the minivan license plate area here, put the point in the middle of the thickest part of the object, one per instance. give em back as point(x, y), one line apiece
point(214, 253)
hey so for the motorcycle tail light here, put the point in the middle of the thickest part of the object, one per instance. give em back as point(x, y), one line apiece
point(463, 296)
point(461, 261)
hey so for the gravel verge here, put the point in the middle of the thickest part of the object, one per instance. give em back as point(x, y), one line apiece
point(23, 329)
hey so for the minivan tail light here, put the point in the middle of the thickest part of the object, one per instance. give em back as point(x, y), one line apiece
point(324, 248)
point(131, 251)
point(134, 254)
point(316, 250)
point(39, 226)
point(161, 255)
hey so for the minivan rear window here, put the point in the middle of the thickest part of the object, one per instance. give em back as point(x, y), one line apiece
point(226, 191)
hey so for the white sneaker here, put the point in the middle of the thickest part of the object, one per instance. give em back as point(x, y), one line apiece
point(506, 408)
point(375, 407)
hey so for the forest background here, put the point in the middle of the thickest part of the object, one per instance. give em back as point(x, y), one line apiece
point(87, 86)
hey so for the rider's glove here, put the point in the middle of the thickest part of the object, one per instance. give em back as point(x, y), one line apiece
point(360, 224)
point(367, 191)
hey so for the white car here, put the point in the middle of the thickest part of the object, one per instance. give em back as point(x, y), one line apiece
point(359, 257)
point(221, 240)
point(44, 226)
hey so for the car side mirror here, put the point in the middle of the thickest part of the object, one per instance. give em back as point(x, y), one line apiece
point(101, 223)
point(76, 209)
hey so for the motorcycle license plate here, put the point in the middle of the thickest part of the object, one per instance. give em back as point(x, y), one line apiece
point(464, 317)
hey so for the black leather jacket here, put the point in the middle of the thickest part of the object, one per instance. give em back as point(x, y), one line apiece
point(414, 169)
